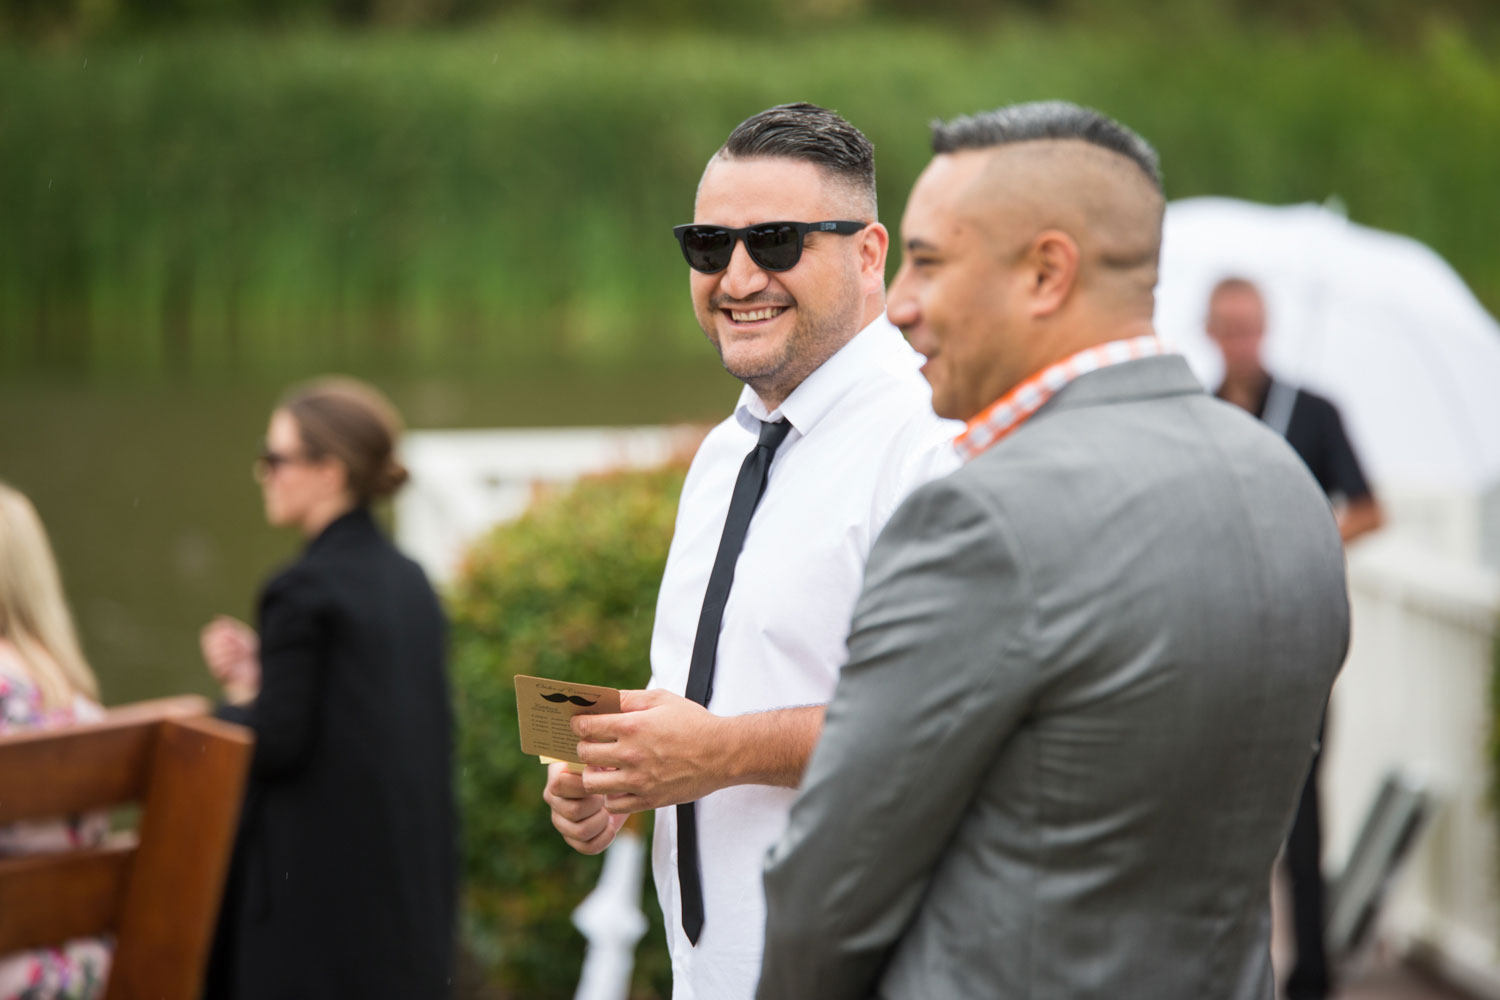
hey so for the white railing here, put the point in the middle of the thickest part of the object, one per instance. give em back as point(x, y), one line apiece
point(1414, 697)
point(465, 482)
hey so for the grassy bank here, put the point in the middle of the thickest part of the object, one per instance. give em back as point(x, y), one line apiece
point(237, 201)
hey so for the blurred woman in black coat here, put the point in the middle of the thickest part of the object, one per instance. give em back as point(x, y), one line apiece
point(344, 875)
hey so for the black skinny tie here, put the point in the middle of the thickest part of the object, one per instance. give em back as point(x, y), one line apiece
point(748, 489)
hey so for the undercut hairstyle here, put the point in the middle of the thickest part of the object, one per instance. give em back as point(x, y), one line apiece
point(811, 134)
point(1046, 120)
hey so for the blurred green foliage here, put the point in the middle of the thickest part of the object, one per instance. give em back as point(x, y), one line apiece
point(568, 591)
point(224, 199)
point(1392, 18)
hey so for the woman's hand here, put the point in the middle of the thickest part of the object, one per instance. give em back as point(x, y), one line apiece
point(232, 651)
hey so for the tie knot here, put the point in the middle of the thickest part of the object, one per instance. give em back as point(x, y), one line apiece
point(772, 434)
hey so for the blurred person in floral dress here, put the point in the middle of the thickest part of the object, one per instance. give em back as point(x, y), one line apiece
point(45, 683)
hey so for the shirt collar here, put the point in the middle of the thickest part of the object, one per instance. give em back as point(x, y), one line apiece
point(1261, 397)
point(1014, 408)
point(351, 523)
point(821, 391)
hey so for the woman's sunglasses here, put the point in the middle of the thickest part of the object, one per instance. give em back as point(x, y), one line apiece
point(268, 461)
point(774, 246)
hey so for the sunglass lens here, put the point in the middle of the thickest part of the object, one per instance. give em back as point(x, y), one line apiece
point(775, 248)
point(707, 248)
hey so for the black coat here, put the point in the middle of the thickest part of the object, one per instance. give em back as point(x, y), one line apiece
point(344, 875)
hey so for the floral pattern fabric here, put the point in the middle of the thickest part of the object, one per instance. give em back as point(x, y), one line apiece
point(76, 970)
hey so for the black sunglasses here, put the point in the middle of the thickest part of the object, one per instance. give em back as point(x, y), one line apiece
point(774, 246)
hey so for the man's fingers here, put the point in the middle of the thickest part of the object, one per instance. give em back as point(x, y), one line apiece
point(623, 805)
point(576, 810)
point(601, 840)
point(635, 701)
point(563, 785)
point(576, 813)
point(624, 782)
point(604, 755)
point(581, 832)
point(603, 728)
point(592, 835)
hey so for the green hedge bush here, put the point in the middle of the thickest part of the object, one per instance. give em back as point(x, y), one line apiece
point(567, 591)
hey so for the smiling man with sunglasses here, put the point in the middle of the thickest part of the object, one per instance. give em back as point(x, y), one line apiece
point(784, 499)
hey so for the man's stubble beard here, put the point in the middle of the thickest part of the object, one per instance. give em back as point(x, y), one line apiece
point(813, 340)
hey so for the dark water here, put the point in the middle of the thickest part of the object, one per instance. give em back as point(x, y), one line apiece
point(147, 493)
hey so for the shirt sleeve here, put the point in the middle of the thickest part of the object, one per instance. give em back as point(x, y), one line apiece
point(1345, 477)
point(293, 665)
point(928, 455)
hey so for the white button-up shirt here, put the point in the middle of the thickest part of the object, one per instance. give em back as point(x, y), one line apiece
point(863, 437)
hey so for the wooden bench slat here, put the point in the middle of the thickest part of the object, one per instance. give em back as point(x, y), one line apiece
point(102, 763)
point(46, 899)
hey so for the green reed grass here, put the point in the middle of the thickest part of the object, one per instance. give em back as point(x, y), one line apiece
point(238, 201)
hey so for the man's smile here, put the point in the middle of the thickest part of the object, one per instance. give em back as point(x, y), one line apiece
point(755, 315)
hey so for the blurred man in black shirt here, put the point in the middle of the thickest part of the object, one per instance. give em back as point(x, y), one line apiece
point(1311, 425)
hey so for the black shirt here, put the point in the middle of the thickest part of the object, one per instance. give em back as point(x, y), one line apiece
point(1316, 434)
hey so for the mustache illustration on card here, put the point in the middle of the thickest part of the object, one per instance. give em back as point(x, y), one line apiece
point(558, 698)
point(545, 709)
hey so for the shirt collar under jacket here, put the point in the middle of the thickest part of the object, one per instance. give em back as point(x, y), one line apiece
point(821, 391)
point(1014, 408)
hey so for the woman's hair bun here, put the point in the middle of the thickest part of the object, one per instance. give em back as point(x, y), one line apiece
point(389, 479)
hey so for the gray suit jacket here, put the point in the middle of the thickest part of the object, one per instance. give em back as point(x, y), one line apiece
point(1084, 684)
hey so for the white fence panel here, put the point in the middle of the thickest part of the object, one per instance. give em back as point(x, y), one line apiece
point(1414, 696)
point(465, 482)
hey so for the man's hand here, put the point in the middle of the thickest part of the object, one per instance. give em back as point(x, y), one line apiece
point(1359, 517)
point(580, 817)
point(665, 750)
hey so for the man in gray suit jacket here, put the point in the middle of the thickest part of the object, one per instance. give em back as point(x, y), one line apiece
point(1086, 670)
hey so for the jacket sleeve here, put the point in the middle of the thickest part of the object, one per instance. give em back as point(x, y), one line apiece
point(294, 633)
point(938, 678)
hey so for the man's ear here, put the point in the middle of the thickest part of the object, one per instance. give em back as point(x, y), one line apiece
point(874, 244)
point(1051, 263)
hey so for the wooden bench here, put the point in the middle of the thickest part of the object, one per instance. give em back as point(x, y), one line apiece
point(157, 890)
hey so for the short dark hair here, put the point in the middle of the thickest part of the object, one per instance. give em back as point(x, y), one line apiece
point(1040, 120)
point(806, 132)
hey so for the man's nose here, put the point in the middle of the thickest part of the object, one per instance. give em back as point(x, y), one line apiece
point(743, 277)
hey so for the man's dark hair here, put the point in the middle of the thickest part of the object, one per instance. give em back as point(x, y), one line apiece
point(807, 132)
point(1041, 120)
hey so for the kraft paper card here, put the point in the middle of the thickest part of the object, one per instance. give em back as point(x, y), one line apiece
point(545, 706)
